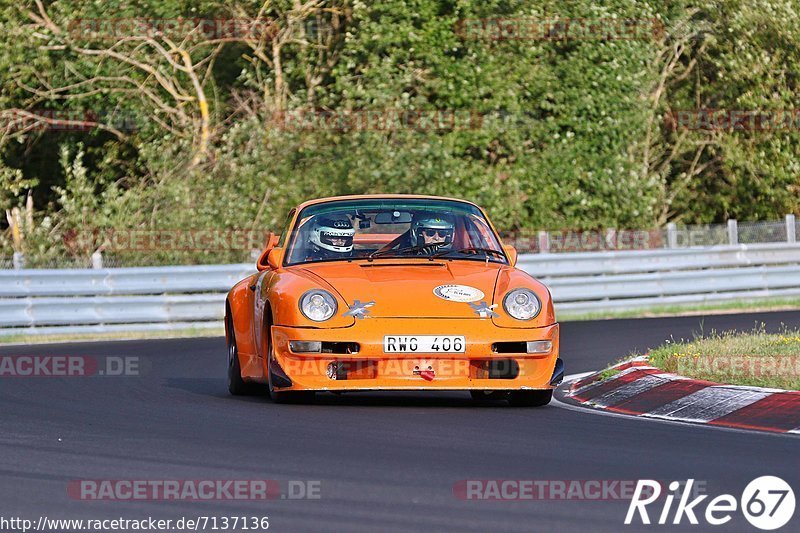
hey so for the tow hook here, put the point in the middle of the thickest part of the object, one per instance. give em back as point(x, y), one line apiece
point(428, 374)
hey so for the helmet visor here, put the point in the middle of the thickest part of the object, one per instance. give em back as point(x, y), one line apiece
point(435, 235)
point(440, 233)
point(336, 239)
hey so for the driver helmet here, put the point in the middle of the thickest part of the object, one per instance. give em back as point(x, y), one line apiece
point(433, 227)
point(334, 235)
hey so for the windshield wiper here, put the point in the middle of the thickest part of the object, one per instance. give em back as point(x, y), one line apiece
point(401, 251)
point(470, 249)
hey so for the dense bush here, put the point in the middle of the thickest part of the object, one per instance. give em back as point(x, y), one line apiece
point(564, 133)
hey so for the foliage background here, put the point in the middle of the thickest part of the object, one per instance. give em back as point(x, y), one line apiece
point(575, 134)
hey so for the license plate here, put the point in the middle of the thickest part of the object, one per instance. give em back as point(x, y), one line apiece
point(424, 344)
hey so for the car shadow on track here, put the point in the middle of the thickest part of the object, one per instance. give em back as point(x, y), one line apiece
point(215, 388)
point(401, 399)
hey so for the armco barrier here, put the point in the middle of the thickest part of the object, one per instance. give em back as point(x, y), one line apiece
point(159, 298)
point(115, 299)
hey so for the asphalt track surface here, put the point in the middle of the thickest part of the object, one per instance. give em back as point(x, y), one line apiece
point(384, 461)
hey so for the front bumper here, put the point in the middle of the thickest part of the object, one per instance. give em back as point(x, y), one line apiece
point(478, 368)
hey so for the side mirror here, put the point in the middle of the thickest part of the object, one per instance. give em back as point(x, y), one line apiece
point(511, 252)
point(263, 260)
point(275, 258)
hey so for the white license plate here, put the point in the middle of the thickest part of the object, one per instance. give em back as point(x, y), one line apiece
point(424, 344)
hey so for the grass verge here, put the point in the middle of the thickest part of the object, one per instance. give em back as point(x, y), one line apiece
point(756, 358)
point(608, 373)
point(734, 306)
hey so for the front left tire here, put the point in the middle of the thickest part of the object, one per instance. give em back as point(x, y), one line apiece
point(282, 396)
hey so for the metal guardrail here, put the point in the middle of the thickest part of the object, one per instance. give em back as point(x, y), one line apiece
point(115, 299)
point(158, 298)
point(597, 281)
point(123, 281)
point(670, 237)
point(630, 262)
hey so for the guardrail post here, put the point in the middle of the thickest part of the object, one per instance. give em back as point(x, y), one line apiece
point(733, 232)
point(611, 239)
point(97, 260)
point(18, 260)
point(672, 235)
point(544, 242)
point(790, 232)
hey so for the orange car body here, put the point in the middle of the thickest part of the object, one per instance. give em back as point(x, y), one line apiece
point(263, 316)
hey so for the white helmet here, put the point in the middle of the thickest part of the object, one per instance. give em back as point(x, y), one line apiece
point(325, 230)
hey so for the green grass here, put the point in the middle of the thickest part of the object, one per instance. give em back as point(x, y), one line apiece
point(608, 373)
point(756, 358)
point(752, 306)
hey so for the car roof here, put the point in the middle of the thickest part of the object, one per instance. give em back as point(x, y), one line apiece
point(379, 196)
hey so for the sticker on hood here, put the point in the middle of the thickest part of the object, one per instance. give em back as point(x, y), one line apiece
point(458, 293)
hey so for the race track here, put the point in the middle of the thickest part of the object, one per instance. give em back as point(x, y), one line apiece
point(384, 461)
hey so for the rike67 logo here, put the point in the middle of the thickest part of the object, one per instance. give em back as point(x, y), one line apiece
point(767, 503)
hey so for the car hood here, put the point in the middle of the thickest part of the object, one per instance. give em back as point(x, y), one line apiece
point(406, 288)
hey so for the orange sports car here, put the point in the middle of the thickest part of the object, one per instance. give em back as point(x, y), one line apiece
point(391, 292)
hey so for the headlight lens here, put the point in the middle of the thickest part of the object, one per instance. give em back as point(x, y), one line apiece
point(522, 304)
point(318, 305)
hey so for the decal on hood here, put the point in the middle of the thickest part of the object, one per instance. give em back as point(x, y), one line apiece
point(458, 293)
point(359, 309)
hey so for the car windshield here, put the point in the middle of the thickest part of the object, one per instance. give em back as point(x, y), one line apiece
point(378, 229)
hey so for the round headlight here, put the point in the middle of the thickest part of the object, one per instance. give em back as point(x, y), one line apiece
point(522, 304)
point(318, 305)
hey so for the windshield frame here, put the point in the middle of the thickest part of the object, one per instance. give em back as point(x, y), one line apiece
point(477, 212)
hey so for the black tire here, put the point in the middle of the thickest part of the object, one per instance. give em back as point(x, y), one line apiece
point(278, 396)
point(530, 398)
point(485, 397)
point(236, 385)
